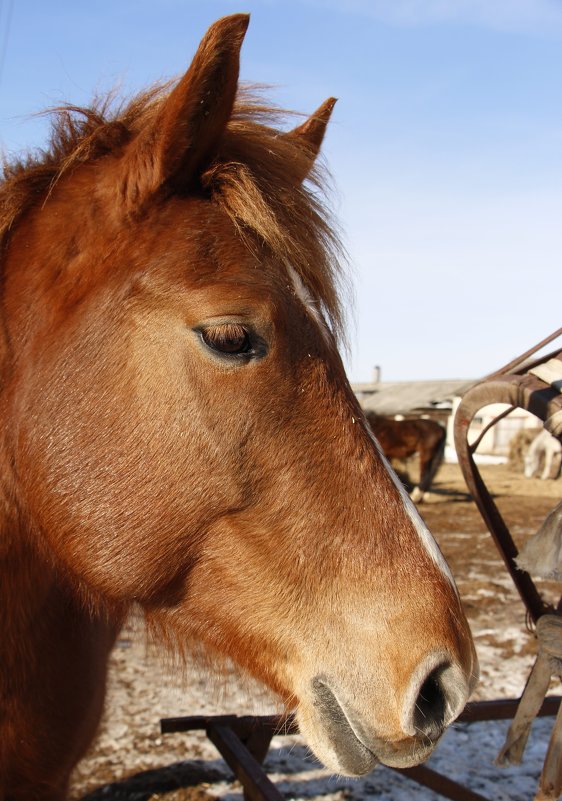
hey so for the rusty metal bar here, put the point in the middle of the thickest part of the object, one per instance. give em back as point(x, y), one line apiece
point(247, 769)
point(475, 399)
point(245, 725)
point(505, 709)
point(440, 784)
point(243, 742)
point(474, 445)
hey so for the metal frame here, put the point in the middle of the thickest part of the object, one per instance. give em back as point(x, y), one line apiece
point(244, 742)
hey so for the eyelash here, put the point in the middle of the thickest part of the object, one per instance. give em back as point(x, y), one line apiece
point(228, 339)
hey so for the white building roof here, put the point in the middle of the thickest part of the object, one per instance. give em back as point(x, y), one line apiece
point(400, 397)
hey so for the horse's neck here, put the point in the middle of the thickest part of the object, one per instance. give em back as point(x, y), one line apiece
point(26, 583)
point(21, 561)
point(39, 601)
point(24, 577)
point(28, 576)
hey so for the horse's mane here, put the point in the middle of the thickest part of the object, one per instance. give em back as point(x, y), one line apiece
point(256, 178)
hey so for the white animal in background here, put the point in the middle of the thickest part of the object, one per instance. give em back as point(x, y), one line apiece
point(541, 555)
point(547, 446)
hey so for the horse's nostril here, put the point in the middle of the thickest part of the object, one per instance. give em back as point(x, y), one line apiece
point(431, 706)
point(438, 691)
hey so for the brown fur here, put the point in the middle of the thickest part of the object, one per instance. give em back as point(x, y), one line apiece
point(148, 457)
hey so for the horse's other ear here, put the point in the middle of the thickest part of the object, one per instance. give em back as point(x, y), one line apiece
point(184, 135)
point(310, 134)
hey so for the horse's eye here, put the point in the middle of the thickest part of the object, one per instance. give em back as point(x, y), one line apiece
point(232, 339)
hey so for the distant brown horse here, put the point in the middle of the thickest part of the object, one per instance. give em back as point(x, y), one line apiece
point(401, 439)
point(179, 434)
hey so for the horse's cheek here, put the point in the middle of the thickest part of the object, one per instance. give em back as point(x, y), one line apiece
point(83, 461)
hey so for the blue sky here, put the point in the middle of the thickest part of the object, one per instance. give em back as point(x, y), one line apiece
point(445, 146)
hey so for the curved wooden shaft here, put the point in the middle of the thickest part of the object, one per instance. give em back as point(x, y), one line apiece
point(526, 392)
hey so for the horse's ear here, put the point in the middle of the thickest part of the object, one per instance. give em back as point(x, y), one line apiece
point(310, 134)
point(184, 135)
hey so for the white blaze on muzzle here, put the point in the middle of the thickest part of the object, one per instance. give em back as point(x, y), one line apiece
point(311, 306)
point(422, 530)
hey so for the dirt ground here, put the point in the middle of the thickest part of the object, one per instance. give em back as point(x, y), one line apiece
point(142, 689)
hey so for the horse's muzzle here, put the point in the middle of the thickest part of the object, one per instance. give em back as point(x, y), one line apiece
point(436, 695)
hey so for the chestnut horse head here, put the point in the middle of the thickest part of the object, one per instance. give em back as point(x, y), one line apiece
point(179, 431)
